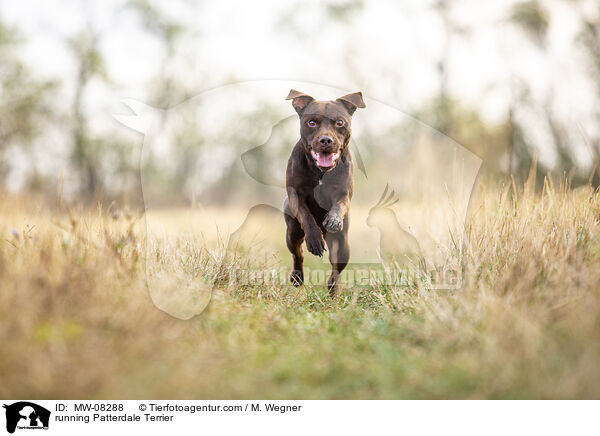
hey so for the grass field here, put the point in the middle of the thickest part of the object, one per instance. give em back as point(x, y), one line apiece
point(76, 319)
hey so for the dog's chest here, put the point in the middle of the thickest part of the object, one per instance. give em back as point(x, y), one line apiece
point(323, 190)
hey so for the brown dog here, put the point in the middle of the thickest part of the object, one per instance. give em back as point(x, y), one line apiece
point(319, 183)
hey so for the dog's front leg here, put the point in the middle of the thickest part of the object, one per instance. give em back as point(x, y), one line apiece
point(334, 220)
point(315, 243)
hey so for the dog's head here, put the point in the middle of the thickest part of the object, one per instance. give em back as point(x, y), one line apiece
point(325, 126)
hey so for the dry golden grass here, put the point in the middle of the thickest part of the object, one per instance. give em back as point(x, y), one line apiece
point(76, 320)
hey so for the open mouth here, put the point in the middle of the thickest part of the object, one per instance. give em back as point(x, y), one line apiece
point(325, 160)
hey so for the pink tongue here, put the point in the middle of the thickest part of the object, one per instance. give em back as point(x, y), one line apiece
point(325, 160)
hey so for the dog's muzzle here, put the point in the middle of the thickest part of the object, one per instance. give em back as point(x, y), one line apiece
point(325, 161)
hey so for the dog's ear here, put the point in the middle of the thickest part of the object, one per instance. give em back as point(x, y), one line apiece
point(352, 101)
point(300, 100)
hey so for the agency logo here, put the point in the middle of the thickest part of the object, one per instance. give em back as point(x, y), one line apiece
point(26, 415)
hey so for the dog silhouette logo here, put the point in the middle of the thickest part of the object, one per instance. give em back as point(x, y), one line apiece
point(26, 415)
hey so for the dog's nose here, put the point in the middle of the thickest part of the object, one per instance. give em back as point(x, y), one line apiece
point(325, 140)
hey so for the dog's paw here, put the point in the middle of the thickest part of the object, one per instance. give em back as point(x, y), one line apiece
point(333, 223)
point(315, 242)
point(297, 277)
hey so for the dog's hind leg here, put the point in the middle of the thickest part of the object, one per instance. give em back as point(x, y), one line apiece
point(294, 238)
point(339, 255)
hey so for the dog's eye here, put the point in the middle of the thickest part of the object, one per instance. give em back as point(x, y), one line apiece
point(340, 123)
point(311, 123)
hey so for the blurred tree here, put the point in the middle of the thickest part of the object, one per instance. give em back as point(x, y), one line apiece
point(589, 37)
point(533, 18)
point(166, 89)
point(521, 155)
point(466, 126)
point(442, 113)
point(87, 150)
point(24, 102)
